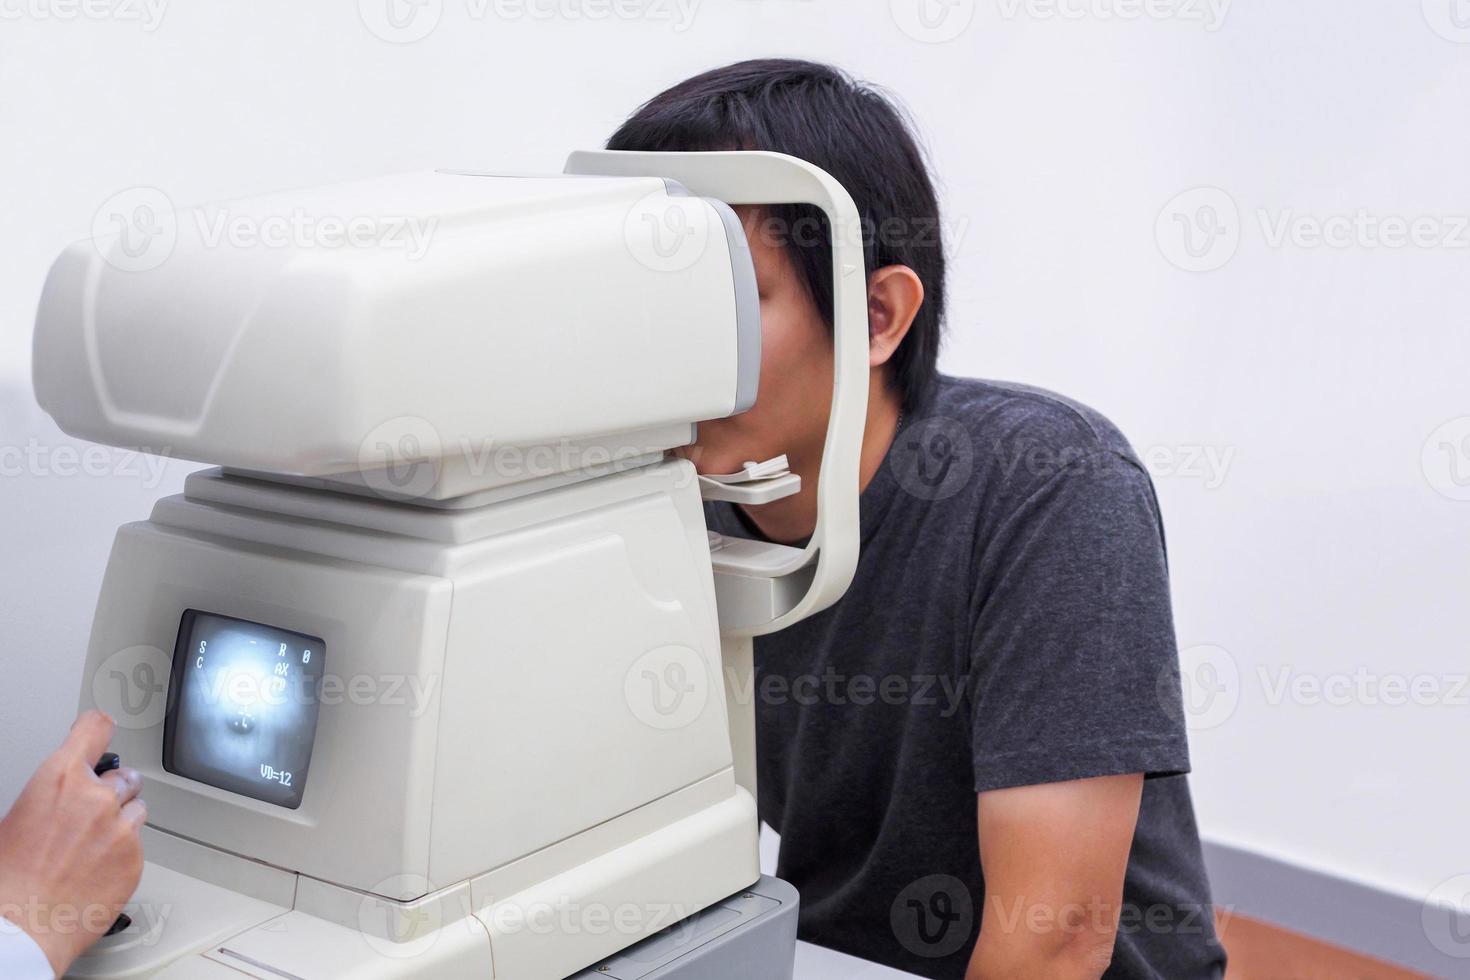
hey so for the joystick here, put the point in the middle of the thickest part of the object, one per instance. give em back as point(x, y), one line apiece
point(107, 763)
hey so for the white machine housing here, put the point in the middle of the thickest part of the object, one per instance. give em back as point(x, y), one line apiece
point(511, 775)
point(497, 758)
point(489, 329)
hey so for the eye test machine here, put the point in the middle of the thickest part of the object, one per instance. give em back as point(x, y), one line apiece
point(452, 679)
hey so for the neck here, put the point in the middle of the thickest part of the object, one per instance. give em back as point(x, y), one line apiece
point(794, 518)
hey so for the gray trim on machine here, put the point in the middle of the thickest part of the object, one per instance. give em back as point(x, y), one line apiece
point(747, 307)
point(747, 298)
point(750, 936)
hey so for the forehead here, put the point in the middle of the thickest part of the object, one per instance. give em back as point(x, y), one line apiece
point(767, 243)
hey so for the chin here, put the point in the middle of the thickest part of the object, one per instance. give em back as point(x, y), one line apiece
point(725, 445)
point(707, 460)
point(711, 454)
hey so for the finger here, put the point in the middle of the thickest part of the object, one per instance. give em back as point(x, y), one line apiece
point(88, 737)
point(126, 782)
point(135, 813)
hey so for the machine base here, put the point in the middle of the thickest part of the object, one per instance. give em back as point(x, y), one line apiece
point(749, 936)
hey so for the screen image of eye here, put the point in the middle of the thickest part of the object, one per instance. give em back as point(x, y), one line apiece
point(254, 682)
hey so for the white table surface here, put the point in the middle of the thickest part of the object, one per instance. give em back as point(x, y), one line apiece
point(817, 963)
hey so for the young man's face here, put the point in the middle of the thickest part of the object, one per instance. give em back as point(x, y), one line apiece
point(795, 395)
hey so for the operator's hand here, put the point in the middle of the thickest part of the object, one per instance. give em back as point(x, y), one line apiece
point(69, 849)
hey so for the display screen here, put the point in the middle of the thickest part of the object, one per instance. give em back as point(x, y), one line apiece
point(242, 706)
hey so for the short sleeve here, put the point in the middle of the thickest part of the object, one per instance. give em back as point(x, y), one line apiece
point(1074, 670)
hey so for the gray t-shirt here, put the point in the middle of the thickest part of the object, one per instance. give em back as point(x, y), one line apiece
point(1009, 624)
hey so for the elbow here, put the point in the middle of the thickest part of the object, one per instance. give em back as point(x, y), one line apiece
point(1082, 955)
point(1087, 956)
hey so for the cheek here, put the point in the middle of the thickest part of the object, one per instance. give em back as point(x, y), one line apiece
point(790, 407)
point(796, 359)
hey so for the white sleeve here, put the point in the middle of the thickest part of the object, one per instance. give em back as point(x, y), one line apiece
point(20, 957)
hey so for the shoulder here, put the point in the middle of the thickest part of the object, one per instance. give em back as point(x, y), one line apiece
point(1004, 413)
point(1016, 439)
point(1011, 421)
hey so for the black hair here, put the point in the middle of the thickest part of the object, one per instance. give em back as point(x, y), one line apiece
point(851, 130)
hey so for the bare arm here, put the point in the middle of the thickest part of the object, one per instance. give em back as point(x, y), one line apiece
point(1054, 856)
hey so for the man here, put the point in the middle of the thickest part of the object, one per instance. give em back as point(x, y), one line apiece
point(70, 855)
point(976, 759)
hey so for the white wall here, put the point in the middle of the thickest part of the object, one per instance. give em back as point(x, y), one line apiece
point(1313, 375)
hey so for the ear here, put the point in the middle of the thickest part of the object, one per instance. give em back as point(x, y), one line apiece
point(895, 294)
